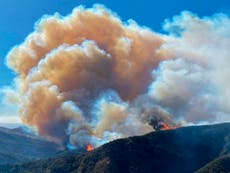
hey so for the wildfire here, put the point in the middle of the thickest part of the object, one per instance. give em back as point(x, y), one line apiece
point(164, 126)
point(89, 147)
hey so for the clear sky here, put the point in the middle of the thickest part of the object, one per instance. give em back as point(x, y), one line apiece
point(17, 17)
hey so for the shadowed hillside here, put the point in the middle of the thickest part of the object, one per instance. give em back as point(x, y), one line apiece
point(219, 165)
point(17, 146)
point(183, 150)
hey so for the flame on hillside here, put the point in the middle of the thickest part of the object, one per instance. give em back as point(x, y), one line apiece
point(164, 126)
point(89, 147)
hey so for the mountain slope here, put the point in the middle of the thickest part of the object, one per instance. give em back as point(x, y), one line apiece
point(219, 165)
point(17, 146)
point(183, 150)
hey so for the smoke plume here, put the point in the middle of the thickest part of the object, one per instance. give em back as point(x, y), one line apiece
point(90, 78)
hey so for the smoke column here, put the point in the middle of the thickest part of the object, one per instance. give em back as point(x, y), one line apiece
point(90, 78)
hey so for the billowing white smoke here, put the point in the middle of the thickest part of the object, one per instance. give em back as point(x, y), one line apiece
point(194, 85)
point(89, 78)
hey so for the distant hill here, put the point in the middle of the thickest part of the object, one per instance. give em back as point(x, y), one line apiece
point(10, 125)
point(17, 146)
point(183, 150)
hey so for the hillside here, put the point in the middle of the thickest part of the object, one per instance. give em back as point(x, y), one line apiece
point(182, 150)
point(17, 146)
point(219, 165)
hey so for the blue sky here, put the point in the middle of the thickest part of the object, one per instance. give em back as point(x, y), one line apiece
point(17, 17)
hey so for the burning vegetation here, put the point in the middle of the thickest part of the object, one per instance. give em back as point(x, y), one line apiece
point(158, 123)
point(89, 147)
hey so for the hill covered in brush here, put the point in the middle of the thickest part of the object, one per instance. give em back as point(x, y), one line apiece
point(182, 150)
point(219, 165)
point(17, 146)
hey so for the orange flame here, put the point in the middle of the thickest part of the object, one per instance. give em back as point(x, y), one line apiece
point(165, 126)
point(89, 147)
